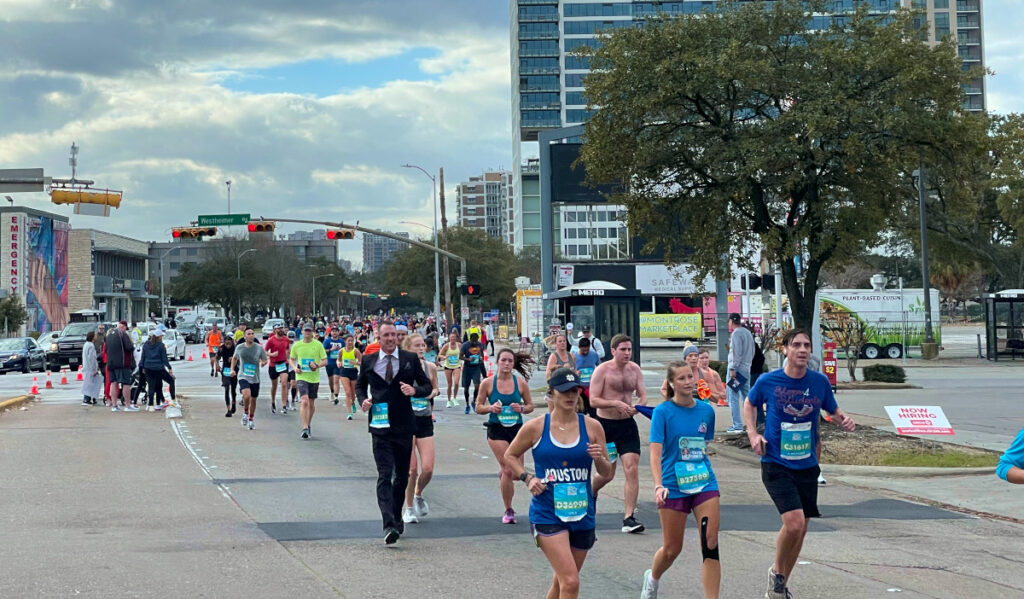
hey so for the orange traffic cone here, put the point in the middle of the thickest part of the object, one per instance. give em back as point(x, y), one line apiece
point(79, 376)
point(35, 386)
point(204, 354)
point(189, 356)
point(63, 376)
point(49, 383)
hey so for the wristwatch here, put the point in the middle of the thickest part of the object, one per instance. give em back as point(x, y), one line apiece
point(524, 476)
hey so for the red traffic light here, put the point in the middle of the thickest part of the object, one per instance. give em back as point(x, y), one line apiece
point(341, 234)
point(252, 228)
point(176, 233)
point(262, 226)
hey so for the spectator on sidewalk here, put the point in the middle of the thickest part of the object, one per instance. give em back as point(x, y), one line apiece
point(92, 380)
point(1011, 464)
point(741, 354)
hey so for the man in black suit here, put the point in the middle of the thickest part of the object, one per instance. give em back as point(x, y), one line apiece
point(392, 376)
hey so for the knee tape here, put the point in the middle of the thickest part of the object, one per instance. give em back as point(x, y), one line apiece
point(704, 550)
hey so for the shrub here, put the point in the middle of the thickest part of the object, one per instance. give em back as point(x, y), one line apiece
point(885, 373)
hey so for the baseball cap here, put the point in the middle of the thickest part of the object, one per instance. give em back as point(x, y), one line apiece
point(159, 332)
point(586, 328)
point(564, 379)
point(307, 327)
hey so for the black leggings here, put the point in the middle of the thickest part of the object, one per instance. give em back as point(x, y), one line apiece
point(230, 390)
point(155, 385)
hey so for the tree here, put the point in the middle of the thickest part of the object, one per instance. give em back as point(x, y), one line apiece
point(742, 127)
point(12, 313)
point(855, 275)
point(848, 332)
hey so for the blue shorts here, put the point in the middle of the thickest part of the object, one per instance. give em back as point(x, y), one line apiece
point(580, 540)
point(254, 388)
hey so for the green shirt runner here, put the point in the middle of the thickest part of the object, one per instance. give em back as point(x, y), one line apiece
point(305, 353)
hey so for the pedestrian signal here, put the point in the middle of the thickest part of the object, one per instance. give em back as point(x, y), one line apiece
point(470, 290)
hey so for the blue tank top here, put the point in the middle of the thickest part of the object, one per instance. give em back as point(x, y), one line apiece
point(569, 498)
point(507, 417)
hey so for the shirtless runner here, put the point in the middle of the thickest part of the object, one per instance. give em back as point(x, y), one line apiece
point(612, 387)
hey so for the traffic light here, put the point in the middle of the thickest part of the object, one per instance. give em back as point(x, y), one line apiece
point(341, 234)
point(193, 232)
point(470, 289)
point(262, 226)
point(86, 196)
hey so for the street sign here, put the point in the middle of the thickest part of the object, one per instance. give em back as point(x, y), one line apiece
point(919, 420)
point(465, 311)
point(14, 180)
point(222, 220)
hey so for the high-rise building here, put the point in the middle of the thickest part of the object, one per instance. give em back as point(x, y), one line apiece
point(482, 203)
point(526, 219)
point(547, 79)
point(314, 235)
point(377, 249)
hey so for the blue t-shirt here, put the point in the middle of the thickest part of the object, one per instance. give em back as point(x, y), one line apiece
point(676, 427)
point(586, 365)
point(1014, 456)
point(792, 410)
point(332, 347)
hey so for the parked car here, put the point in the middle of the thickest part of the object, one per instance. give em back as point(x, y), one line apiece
point(175, 345)
point(190, 332)
point(268, 327)
point(67, 349)
point(209, 321)
point(21, 354)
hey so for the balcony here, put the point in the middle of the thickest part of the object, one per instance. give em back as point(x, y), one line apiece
point(968, 6)
point(534, 123)
point(542, 87)
point(542, 18)
point(540, 105)
point(538, 53)
point(968, 37)
point(538, 2)
point(538, 70)
point(538, 35)
point(968, 21)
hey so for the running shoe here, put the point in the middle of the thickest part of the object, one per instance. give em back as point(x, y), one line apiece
point(349, 417)
point(776, 586)
point(409, 516)
point(86, 402)
point(305, 433)
point(422, 509)
point(650, 589)
point(132, 408)
point(273, 409)
point(509, 517)
point(113, 409)
point(284, 410)
point(159, 408)
point(734, 430)
point(391, 536)
point(821, 480)
point(467, 410)
point(149, 408)
point(335, 400)
point(252, 424)
point(245, 420)
point(632, 526)
point(228, 414)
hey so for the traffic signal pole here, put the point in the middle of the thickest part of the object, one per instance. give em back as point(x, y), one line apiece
point(420, 244)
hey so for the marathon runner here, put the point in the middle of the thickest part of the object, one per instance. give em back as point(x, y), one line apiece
point(472, 353)
point(683, 479)
point(228, 379)
point(1011, 463)
point(307, 358)
point(278, 348)
point(587, 362)
point(423, 439)
point(611, 392)
point(713, 378)
point(794, 397)
point(292, 387)
point(560, 358)
point(562, 513)
point(448, 357)
point(333, 345)
point(348, 362)
point(213, 341)
point(504, 399)
point(246, 363)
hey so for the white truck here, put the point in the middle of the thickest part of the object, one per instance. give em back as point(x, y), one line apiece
point(894, 317)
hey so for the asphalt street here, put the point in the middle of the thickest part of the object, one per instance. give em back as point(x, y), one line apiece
point(102, 504)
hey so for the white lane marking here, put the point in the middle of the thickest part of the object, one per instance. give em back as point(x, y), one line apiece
point(223, 490)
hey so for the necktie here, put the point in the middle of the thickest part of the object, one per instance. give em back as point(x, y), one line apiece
point(389, 373)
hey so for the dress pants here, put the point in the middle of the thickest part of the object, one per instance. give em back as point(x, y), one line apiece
point(392, 454)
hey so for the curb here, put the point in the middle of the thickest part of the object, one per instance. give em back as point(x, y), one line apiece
point(15, 402)
point(745, 456)
point(874, 386)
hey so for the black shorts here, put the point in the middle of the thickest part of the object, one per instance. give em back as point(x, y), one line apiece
point(307, 389)
point(291, 375)
point(499, 432)
point(254, 388)
point(333, 369)
point(792, 489)
point(272, 370)
point(623, 433)
point(350, 373)
point(424, 426)
point(471, 374)
point(121, 376)
point(580, 540)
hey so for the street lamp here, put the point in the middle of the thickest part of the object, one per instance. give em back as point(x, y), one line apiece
point(238, 265)
point(919, 174)
point(228, 183)
point(314, 288)
point(437, 276)
point(163, 303)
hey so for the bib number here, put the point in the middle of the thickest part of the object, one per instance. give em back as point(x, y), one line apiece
point(571, 501)
point(797, 439)
point(474, 359)
point(692, 477)
point(306, 363)
point(249, 369)
point(453, 360)
point(379, 416)
point(281, 367)
point(585, 374)
point(348, 362)
point(334, 355)
point(420, 405)
point(507, 417)
point(613, 453)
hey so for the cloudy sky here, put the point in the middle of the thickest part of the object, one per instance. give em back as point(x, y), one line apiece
point(309, 107)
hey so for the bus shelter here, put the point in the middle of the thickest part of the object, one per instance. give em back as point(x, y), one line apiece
point(608, 311)
point(1004, 324)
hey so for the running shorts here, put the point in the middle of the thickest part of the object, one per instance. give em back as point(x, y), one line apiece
point(623, 433)
point(308, 389)
point(580, 540)
point(291, 375)
point(792, 489)
point(254, 388)
point(471, 374)
point(273, 373)
point(424, 427)
point(333, 369)
point(350, 373)
point(687, 503)
point(499, 432)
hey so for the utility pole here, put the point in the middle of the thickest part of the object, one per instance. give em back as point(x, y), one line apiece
point(929, 350)
point(449, 312)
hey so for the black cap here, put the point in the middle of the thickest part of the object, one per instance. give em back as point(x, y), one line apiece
point(586, 328)
point(564, 379)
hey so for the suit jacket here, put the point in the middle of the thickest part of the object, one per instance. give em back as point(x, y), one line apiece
point(372, 385)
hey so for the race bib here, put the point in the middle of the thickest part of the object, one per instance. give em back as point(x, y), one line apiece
point(797, 439)
point(334, 355)
point(474, 359)
point(453, 360)
point(348, 362)
point(585, 374)
point(379, 416)
point(571, 501)
point(508, 417)
point(692, 449)
point(306, 363)
point(692, 477)
point(281, 367)
point(249, 369)
point(613, 453)
point(420, 405)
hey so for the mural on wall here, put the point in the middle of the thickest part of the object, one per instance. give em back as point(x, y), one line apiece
point(46, 267)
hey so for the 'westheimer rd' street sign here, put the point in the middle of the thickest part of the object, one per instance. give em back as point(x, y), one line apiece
point(222, 220)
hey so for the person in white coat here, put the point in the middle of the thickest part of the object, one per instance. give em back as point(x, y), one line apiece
point(92, 380)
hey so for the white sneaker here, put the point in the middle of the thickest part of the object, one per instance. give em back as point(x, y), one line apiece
point(409, 516)
point(113, 409)
point(149, 408)
point(252, 425)
point(131, 408)
point(245, 420)
point(821, 480)
point(650, 589)
point(422, 509)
